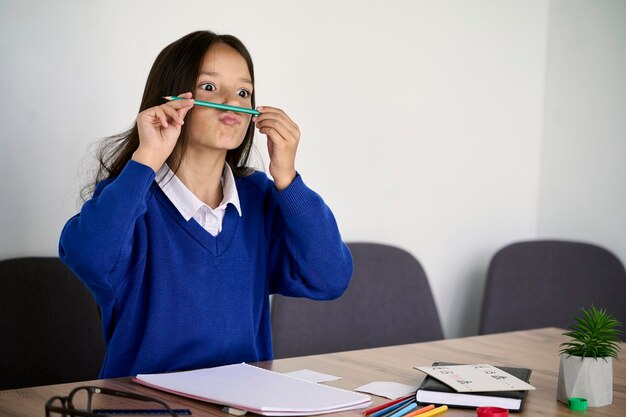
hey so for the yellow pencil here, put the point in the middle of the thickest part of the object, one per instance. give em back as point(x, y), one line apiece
point(435, 412)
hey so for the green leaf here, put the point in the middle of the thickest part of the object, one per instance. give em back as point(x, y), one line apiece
point(594, 334)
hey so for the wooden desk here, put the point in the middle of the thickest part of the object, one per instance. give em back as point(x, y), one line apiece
point(535, 349)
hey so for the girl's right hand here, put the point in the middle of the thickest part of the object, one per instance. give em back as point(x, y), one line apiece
point(159, 128)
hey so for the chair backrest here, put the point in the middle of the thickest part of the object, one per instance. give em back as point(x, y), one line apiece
point(49, 324)
point(545, 283)
point(388, 302)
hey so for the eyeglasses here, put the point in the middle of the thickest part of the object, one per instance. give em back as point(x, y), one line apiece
point(81, 402)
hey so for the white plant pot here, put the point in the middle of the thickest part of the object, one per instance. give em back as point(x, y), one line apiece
point(590, 378)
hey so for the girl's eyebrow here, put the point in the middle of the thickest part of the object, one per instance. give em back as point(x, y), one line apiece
point(216, 74)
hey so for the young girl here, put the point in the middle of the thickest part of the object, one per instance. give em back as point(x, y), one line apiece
point(181, 244)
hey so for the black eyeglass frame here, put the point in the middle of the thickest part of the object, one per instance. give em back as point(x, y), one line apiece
point(67, 408)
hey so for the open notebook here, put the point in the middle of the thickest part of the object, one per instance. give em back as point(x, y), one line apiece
point(256, 390)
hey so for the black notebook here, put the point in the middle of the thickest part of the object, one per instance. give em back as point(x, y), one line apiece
point(432, 391)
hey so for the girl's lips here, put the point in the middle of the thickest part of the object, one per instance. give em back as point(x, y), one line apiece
point(230, 119)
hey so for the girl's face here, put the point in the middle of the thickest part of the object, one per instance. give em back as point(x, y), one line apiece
point(224, 78)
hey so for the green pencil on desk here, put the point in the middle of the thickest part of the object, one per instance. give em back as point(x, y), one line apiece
point(218, 106)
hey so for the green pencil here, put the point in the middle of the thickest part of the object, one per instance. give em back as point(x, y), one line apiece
point(218, 106)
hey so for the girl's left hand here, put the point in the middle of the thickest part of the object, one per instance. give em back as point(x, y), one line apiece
point(283, 136)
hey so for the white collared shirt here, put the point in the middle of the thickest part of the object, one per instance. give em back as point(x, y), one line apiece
point(191, 206)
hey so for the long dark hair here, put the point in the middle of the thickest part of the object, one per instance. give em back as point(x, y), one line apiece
point(174, 71)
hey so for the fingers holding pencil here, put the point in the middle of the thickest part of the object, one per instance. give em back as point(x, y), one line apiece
point(181, 106)
point(158, 128)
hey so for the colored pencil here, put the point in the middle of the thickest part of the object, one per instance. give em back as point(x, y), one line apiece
point(405, 410)
point(389, 410)
point(385, 405)
point(435, 411)
point(421, 411)
point(218, 106)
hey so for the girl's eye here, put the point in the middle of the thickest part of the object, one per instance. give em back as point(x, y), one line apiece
point(243, 93)
point(208, 87)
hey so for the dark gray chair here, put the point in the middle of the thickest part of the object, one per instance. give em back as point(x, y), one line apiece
point(545, 283)
point(49, 325)
point(388, 302)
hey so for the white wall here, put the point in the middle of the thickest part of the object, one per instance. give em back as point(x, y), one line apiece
point(583, 166)
point(421, 120)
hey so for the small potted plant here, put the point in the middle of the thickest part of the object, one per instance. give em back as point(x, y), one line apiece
point(586, 368)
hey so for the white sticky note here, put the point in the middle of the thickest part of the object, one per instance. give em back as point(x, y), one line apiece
point(312, 376)
point(387, 389)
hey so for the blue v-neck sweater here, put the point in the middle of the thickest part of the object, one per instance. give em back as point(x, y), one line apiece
point(174, 297)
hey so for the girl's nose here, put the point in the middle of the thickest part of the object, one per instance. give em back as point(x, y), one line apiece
point(233, 100)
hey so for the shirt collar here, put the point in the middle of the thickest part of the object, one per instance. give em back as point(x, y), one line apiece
point(186, 202)
point(229, 189)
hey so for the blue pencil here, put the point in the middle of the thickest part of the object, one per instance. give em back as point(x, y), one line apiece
point(392, 407)
point(405, 410)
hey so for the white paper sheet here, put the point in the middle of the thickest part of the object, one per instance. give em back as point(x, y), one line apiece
point(257, 390)
point(312, 376)
point(387, 389)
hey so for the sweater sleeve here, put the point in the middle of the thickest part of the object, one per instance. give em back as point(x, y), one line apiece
point(99, 239)
point(307, 256)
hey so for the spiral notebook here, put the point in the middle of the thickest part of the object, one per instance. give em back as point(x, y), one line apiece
point(257, 390)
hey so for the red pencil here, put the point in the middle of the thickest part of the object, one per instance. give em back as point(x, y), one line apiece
point(390, 403)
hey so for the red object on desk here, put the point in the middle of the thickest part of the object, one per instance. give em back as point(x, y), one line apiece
point(492, 412)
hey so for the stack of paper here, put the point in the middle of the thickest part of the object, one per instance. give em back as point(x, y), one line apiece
point(257, 390)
